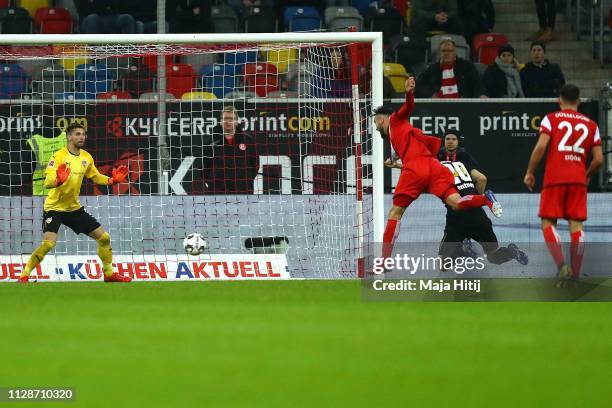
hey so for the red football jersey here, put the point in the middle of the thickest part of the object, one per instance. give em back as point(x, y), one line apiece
point(572, 136)
point(407, 141)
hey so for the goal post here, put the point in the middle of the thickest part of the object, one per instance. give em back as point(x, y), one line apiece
point(316, 183)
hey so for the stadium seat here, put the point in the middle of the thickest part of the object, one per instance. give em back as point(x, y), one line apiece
point(71, 7)
point(224, 19)
point(197, 61)
point(301, 19)
point(53, 20)
point(114, 95)
point(180, 79)
point(397, 75)
point(71, 56)
point(15, 20)
point(261, 78)
point(463, 49)
point(341, 18)
point(485, 46)
point(154, 96)
point(281, 58)
point(193, 96)
point(385, 19)
point(137, 80)
point(151, 61)
point(409, 52)
point(240, 95)
point(363, 6)
point(239, 58)
point(32, 66)
point(32, 5)
point(51, 80)
point(71, 96)
point(218, 78)
point(13, 80)
point(283, 94)
point(260, 19)
point(93, 78)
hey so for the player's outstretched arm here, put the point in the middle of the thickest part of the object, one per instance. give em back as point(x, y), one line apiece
point(536, 158)
point(406, 109)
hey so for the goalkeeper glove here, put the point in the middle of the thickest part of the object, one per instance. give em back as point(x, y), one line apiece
point(63, 172)
point(119, 175)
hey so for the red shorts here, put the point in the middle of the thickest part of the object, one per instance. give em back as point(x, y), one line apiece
point(424, 174)
point(568, 201)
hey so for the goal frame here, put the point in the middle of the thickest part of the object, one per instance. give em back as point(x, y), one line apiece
point(373, 38)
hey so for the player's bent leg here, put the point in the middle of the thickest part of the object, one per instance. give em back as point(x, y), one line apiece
point(105, 252)
point(47, 244)
point(458, 203)
point(576, 248)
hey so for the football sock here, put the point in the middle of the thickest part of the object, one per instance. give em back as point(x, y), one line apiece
point(37, 257)
point(473, 201)
point(554, 244)
point(389, 237)
point(105, 252)
point(577, 252)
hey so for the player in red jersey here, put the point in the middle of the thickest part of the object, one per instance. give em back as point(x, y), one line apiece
point(571, 136)
point(421, 170)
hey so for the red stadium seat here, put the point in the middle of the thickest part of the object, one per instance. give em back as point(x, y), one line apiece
point(53, 20)
point(151, 61)
point(114, 95)
point(261, 78)
point(181, 79)
point(485, 46)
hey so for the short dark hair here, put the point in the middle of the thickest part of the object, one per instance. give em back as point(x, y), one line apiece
point(540, 43)
point(383, 110)
point(455, 133)
point(570, 93)
point(72, 127)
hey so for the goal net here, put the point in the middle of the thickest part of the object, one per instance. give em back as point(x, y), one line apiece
point(259, 146)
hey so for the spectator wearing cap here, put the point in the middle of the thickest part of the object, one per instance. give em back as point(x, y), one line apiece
point(541, 78)
point(452, 77)
point(502, 78)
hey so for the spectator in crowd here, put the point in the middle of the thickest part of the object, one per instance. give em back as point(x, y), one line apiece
point(332, 80)
point(547, 13)
point(435, 15)
point(479, 17)
point(190, 16)
point(234, 163)
point(104, 17)
point(540, 78)
point(145, 15)
point(502, 78)
point(452, 77)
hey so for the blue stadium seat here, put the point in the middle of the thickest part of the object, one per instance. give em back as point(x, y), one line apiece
point(302, 19)
point(13, 80)
point(94, 78)
point(218, 78)
point(70, 96)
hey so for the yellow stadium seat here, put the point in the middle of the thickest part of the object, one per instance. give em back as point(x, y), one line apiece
point(397, 75)
point(281, 58)
point(70, 56)
point(190, 96)
point(33, 5)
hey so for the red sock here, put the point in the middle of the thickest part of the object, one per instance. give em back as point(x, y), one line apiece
point(577, 252)
point(473, 201)
point(554, 244)
point(391, 233)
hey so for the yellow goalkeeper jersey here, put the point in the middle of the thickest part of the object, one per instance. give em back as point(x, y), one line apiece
point(66, 196)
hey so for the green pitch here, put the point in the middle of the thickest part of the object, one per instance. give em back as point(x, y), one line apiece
point(298, 343)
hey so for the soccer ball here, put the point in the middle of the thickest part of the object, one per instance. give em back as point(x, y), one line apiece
point(195, 244)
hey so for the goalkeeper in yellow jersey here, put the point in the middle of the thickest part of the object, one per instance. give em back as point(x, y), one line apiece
point(64, 176)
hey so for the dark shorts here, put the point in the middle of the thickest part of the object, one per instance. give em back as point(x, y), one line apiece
point(79, 221)
point(473, 224)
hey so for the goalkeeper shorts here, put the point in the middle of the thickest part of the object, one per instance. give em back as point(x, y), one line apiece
point(79, 221)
